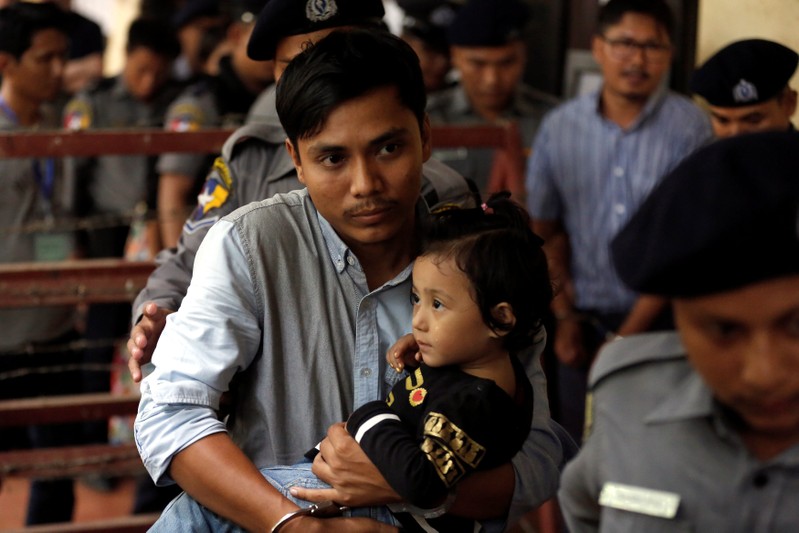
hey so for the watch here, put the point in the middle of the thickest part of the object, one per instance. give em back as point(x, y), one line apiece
point(326, 509)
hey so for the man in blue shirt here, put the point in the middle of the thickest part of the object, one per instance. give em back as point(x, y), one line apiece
point(594, 160)
point(296, 298)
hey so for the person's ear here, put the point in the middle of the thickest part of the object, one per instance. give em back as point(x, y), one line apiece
point(295, 157)
point(6, 59)
point(502, 313)
point(596, 48)
point(790, 103)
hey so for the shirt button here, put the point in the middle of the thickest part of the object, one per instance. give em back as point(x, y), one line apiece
point(350, 260)
point(366, 372)
point(760, 480)
point(619, 209)
point(618, 172)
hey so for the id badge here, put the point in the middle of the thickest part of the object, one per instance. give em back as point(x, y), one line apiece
point(52, 246)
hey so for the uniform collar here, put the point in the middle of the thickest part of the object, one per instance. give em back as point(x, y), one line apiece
point(461, 106)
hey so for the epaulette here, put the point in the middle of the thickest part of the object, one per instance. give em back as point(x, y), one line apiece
point(267, 133)
point(635, 350)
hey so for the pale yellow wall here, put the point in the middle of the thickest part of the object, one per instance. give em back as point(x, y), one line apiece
point(724, 21)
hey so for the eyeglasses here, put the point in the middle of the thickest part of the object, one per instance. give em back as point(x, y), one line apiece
point(624, 49)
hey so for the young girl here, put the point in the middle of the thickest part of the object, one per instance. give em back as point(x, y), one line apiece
point(480, 292)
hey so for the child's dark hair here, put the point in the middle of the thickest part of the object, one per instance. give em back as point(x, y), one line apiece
point(503, 259)
point(155, 35)
point(611, 13)
point(20, 22)
point(345, 65)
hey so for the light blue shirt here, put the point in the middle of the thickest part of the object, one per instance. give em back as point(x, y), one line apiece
point(592, 175)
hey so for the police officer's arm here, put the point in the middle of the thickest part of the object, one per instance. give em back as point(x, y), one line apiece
point(643, 313)
point(568, 343)
point(173, 189)
point(168, 284)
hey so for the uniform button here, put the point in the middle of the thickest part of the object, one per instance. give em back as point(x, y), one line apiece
point(350, 260)
point(760, 480)
point(619, 209)
point(618, 172)
point(366, 372)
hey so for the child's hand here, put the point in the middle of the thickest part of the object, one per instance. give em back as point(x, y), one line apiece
point(404, 352)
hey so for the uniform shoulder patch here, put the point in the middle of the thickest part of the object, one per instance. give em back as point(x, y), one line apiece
point(185, 116)
point(78, 115)
point(214, 194)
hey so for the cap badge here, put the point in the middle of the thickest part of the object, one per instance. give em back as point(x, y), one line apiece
point(320, 10)
point(744, 91)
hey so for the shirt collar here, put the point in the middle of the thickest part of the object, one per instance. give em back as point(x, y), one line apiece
point(342, 256)
point(461, 106)
point(652, 105)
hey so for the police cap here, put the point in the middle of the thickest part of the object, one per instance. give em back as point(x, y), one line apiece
point(429, 20)
point(745, 73)
point(488, 23)
point(724, 218)
point(283, 18)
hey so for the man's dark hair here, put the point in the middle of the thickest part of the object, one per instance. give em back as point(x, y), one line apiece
point(345, 65)
point(20, 22)
point(155, 35)
point(611, 13)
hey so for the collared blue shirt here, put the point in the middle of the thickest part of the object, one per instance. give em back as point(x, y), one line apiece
point(592, 175)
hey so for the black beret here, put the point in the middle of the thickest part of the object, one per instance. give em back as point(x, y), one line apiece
point(489, 23)
point(194, 9)
point(282, 18)
point(745, 73)
point(429, 20)
point(724, 218)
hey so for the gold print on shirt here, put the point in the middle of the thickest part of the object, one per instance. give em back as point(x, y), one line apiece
point(409, 381)
point(390, 399)
point(447, 466)
point(449, 445)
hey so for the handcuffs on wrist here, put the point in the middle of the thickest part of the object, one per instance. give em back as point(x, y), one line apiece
point(326, 509)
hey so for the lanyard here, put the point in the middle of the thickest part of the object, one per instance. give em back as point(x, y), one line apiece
point(45, 178)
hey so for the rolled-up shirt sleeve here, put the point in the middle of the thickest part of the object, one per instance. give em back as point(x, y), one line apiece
point(215, 334)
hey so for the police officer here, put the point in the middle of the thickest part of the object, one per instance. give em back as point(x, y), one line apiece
point(489, 54)
point(424, 27)
point(220, 100)
point(698, 429)
point(199, 25)
point(745, 85)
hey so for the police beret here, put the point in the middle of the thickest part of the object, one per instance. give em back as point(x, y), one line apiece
point(724, 218)
point(488, 23)
point(745, 73)
point(429, 20)
point(283, 18)
point(194, 9)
